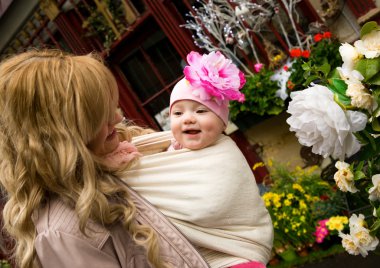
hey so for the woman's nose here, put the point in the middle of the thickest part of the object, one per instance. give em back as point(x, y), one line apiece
point(118, 118)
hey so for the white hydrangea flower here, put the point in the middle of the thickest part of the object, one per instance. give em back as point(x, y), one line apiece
point(369, 45)
point(344, 177)
point(318, 121)
point(359, 241)
point(349, 55)
point(356, 221)
point(364, 240)
point(350, 76)
point(374, 191)
point(360, 96)
point(348, 244)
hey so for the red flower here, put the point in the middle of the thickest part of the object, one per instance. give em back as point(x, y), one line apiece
point(327, 35)
point(295, 53)
point(318, 37)
point(306, 53)
point(286, 68)
point(290, 84)
point(324, 197)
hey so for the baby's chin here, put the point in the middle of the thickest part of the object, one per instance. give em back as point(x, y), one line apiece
point(196, 146)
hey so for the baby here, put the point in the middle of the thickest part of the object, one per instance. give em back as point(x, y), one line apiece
point(203, 183)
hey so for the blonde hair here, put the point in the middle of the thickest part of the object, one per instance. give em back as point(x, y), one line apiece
point(52, 104)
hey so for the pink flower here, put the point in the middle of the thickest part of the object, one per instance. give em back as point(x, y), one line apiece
point(214, 76)
point(323, 222)
point(258, 67)
point(321, 231)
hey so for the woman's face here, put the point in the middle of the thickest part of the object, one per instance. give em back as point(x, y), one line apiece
point(107, 140)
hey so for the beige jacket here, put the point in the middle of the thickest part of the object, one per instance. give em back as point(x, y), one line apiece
point(59, 243)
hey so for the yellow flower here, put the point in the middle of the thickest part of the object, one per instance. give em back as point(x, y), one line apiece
point(303, 205)
point(337, 223)
point(290, 196)
point(298, 187)
point(287, 202)
point(312, 169)
point(270, 163)
point(308, 197)
point(257, 165)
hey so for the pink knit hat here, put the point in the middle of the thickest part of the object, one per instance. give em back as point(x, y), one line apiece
point(183, 91)
point(212, 80)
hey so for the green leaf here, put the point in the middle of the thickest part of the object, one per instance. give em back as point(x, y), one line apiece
point(310, 79)
point(375, 80)
point(338, 86)
point(361, 139)
point(334, 74)
point(368, 27)
point(375, 227)
point(343, 101)
point(368, 67)
point(375, 124)
point(376, 113)
point(367, 152)
point(324, 68)
point(370, 139)
point(359, 166)
point(358, 175)
point(306, 66)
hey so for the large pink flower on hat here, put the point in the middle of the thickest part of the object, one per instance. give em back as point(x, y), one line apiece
point(214, 76)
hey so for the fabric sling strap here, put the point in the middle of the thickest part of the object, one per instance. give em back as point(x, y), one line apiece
point(149, 215)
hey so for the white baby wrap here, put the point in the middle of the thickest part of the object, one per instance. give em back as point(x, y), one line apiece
point(210, 195)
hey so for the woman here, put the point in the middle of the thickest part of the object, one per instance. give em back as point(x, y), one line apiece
point(65, 207)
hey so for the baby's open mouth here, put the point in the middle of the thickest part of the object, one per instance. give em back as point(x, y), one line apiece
point(192, 131)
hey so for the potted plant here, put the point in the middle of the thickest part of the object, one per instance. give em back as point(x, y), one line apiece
point(261, 100)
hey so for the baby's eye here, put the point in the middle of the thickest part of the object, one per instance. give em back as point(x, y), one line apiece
point(201, 111)
point(177, 113)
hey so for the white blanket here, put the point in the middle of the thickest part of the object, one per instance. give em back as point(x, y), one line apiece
point(210, 195)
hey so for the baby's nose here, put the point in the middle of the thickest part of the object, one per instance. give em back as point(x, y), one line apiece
point(189, 118)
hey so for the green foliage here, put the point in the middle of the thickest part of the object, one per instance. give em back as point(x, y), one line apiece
point(260, 96)
point(97, 24)
point(324, 57)
point(368, 27)
point(4, 264)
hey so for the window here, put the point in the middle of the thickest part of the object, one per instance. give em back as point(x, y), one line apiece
point(152, 69)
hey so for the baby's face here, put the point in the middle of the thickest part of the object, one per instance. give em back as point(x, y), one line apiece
point(194, 125)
